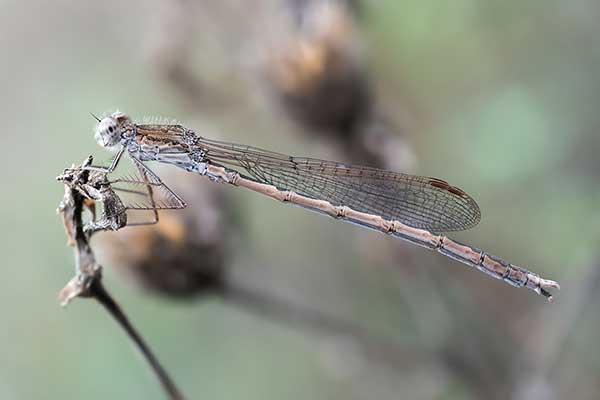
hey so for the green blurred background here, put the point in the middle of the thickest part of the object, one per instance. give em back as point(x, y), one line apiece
point(498, 97)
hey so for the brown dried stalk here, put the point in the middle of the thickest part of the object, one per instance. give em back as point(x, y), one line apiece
point(87, 281)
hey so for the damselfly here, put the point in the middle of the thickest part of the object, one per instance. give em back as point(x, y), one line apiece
point(413, 208)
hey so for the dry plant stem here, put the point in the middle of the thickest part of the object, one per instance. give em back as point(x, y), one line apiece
point(98, 291)
point(88, 278)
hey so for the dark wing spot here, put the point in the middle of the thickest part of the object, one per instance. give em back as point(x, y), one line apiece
point(438, 183)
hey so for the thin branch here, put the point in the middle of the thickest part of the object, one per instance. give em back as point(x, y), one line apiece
point(87, 281)
point(98, 291)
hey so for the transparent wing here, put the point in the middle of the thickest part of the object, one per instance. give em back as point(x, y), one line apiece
point(142, 189)
point(417, 201)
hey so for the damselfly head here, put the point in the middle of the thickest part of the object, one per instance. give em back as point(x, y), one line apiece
point(109, 129)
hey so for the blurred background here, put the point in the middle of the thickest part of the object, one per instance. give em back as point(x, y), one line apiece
point(245, 298)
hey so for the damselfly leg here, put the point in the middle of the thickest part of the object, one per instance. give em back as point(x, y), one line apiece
point(144, 191)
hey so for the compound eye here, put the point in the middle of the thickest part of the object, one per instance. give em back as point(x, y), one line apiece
point(111, 129)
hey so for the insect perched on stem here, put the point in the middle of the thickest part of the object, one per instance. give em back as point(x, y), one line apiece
point(412, 208)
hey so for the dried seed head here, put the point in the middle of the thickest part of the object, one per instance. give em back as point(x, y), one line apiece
point(184, 254)
point(316, 70)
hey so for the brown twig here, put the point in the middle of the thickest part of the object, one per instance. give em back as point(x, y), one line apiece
point(88, 278)
point(98, 292)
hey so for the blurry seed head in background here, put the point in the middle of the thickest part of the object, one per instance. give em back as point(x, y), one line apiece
point(186, 253)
